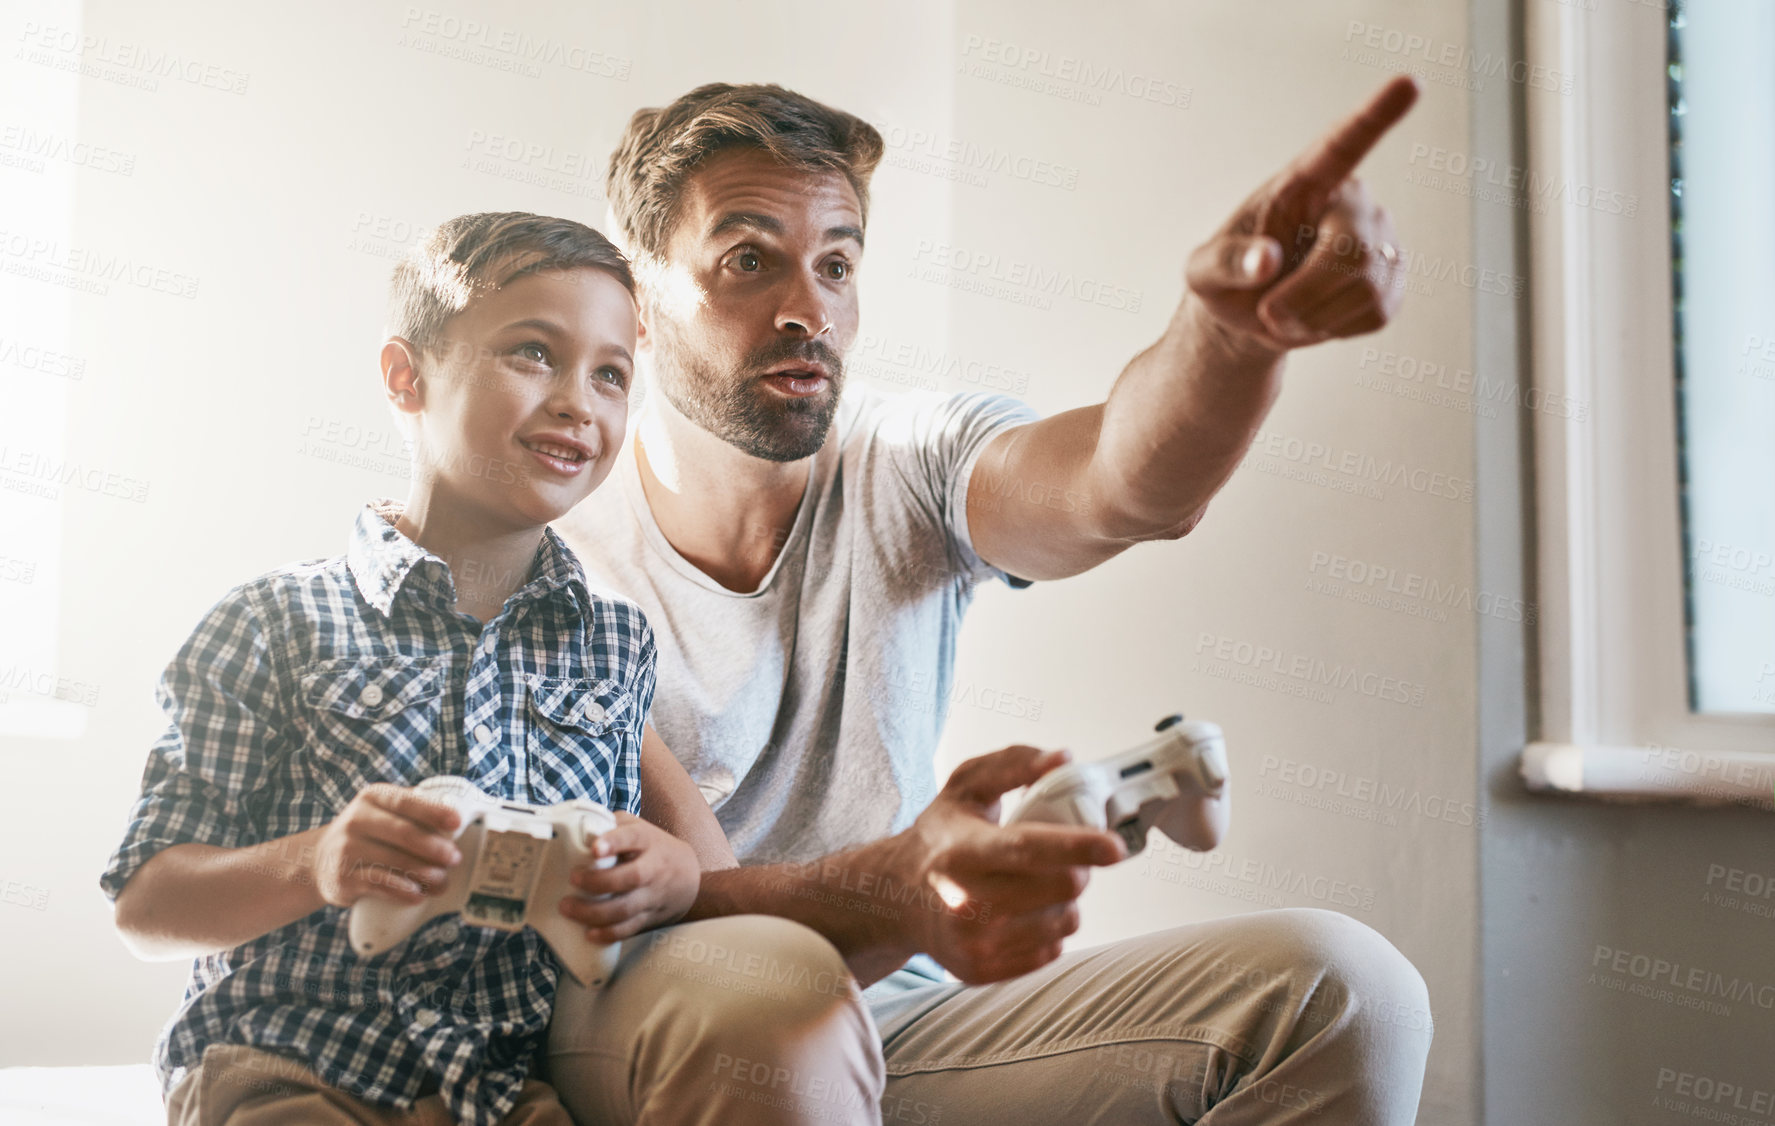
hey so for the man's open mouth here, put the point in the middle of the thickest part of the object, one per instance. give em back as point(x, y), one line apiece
point(797, 381)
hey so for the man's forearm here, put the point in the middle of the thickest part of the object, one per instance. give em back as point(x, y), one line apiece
point(1177, 423)
point(194, 899)
point(858, 900)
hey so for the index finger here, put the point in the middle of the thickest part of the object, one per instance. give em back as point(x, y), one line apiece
point(414, 807)
point(1330, 162)
point(1035, 845)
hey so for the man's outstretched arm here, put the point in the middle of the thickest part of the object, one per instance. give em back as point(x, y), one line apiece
point(1308, 257)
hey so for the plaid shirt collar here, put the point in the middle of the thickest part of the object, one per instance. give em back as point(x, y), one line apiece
point(383, 562)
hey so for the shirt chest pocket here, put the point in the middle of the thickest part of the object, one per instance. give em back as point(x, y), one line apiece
point(583, 740)
point(373, 719)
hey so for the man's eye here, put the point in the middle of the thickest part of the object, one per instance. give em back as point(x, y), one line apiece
point(838, 269)
point(748, 262)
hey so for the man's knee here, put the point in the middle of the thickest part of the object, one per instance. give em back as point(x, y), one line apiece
point(1357, 976)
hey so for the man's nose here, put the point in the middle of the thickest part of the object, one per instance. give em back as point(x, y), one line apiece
point(804, 309)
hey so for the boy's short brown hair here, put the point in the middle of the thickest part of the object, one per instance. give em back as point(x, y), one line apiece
point(484, 251)
point(663, 146)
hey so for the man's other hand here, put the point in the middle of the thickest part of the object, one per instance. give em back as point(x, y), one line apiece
point(1309, 256)
point(1010, 894)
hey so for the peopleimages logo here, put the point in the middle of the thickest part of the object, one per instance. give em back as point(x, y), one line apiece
point(1513, 185)
point(1357, 468)
point(1380, 579)
point(1015, 279)
point(1697, 984)
point(1444, 62)
point(1712, 1095)
point(1067, 76)
point(1358, 796)
point(1306, 670)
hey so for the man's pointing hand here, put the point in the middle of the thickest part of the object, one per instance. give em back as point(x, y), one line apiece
point(1309, 256)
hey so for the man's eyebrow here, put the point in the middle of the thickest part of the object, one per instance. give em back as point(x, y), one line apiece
point(855, 234)
point(745, 220)
point(770, 225)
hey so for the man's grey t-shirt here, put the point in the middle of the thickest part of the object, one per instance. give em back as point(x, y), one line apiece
point(808, 711)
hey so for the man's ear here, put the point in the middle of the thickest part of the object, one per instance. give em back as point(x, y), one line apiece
point(400, 375)
point(643, 314)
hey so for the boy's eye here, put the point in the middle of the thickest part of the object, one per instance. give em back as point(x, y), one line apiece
point(613, 376)
point(535, 353)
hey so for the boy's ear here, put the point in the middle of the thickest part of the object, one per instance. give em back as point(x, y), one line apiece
point(400, 375)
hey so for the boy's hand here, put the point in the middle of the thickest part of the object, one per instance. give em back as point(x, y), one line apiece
point(388, 841)
point(653, 882)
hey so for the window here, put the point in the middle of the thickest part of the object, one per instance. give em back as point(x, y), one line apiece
point(1722, 127)
point(1616, 710)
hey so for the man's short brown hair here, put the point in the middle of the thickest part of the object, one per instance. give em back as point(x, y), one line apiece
point(485, 251)
point(663, 146)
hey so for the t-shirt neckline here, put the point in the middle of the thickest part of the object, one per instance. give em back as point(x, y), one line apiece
point(656, 539)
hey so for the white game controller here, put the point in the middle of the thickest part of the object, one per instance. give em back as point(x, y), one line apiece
point(1176, 781)
point(513, 871)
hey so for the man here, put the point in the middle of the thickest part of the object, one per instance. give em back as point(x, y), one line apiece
point(805, 558)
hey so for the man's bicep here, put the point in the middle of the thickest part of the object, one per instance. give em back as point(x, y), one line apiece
point(1031, 508)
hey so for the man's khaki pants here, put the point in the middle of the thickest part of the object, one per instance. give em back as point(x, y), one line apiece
point(1277, 1017)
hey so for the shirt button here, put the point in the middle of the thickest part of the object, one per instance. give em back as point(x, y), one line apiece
point(482, 733)
point(370, 696)
point(425, 1018)
point(448, 933)
point(594, 713)
point(489, 643)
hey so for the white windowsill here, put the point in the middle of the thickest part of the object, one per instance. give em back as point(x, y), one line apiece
point(1742, 778)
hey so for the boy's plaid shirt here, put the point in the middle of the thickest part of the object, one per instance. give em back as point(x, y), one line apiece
point(305, 685)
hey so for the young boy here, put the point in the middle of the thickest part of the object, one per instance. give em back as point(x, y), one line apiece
point(454, 636)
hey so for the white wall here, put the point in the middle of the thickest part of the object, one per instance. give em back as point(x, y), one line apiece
point(1110, 652)
point(288, 201)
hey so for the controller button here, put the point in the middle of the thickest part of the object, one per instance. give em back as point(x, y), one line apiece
point(482, 733)
point(370, 696)
point(1168, 722)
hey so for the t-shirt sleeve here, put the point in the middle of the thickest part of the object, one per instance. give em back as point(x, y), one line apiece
point(220, 697)
point(938, 442)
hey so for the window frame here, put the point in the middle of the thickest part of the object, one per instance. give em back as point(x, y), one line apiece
point(1614, 706)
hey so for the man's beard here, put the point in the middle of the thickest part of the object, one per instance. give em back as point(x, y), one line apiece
point(737, 409)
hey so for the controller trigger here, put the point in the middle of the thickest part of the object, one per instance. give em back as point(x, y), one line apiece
point(1168, 722)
